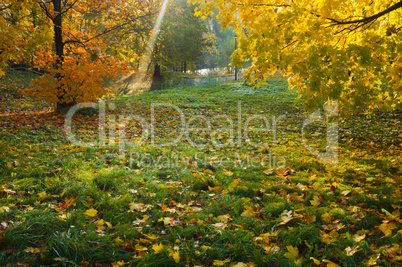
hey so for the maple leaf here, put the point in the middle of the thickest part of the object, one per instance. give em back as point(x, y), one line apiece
point(140, 248)
point(359, 238)
point(387, 227)
point(316, 262)
point(136, 206)
point(316, 201)
point(326, 217)
point(32, 250)
point(220, 225)
point(4, 209)
point(68, 202)
point(292, 254)
point(308, 218)
point(224, 218)
point(228, 173)
point(248, 212)
point(150, 236)
point(175, 255)
point(119, 263)
point(350, 251)
point(268, 171)
point(157, 248)
point(326, 238)
point(91, 212)
point(220, 263)
point(42, 195)
point(286, 217)
point(330, 263)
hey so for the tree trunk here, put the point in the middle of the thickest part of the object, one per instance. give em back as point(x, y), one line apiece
point(59, 46)
point(157, 70)
point(157, 67)
point(185, 67)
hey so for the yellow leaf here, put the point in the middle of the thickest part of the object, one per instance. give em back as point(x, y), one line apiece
point(138, 247)
point(330, 263)
point(168, 220)
point(91, 212)
point(239, 264)
point(119, 263)
point(292, 254)
point(220, 225)
point(248, 212)
point(220, 263)
point(175, 255)
point(157, 247)
point(387, 228)
point(205, 248)
point(3, 209)
point(326, 238)
point(228, 173)
point(136, 206)
point(32, 250)
point(150, 236)
point(286, 217)
point(224, 218)
point(372, 261)
point(317, 262)
point(316, 201)
point(308, 218)
point(359, 238)
point(345, 193)
point(268, 171)
point(42, 195)
point(350, 251)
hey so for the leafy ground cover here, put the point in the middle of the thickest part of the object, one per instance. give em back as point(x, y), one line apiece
point(225, 195)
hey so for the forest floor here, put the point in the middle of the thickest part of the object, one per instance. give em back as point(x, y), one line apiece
point(242, 190)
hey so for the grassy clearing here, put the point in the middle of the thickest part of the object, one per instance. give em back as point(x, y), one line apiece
point(215, 197)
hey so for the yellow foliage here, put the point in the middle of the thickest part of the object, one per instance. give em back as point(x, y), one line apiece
point(330, 50)
point(91, 212)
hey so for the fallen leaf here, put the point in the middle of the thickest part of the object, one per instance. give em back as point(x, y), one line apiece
point(317, 262)
point(350, 251)
point(359, 238)
point(292, 254)
point(42, 195)
point(157, 247)
point(4, 209)
point(175, 255)
point(220, 263)
point(32, 250)
point(387, 228)
point(91, 212)
point(330, 263)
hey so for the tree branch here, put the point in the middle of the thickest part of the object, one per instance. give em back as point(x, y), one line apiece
point(70, 7)
point(104, 32)
point(368, 19)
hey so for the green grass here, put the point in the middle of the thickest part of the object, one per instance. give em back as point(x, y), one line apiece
point(212, 196)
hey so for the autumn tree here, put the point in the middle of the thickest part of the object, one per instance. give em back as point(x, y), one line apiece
point(182, 37)
point(331, 50)
point(89, 40)
point(18, 32)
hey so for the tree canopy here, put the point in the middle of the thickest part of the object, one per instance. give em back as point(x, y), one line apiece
point(330, 49)
point(182, 37)
point(77, 43)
